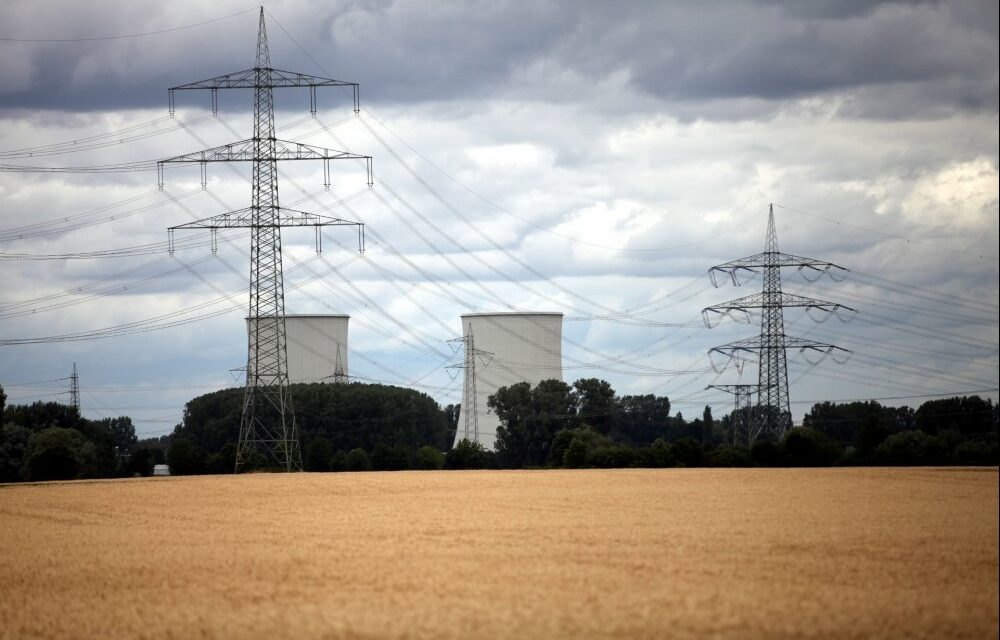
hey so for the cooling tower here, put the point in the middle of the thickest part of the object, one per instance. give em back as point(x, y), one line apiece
point(317, 347)
point(502, 349)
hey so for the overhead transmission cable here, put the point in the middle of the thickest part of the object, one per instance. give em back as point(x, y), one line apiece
point(140, 34)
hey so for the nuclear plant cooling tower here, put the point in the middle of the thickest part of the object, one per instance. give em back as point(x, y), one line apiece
point(502, 349)
point(317, 347)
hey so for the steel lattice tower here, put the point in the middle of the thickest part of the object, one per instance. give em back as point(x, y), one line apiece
point(268, 423)
point(469, 380)
point(773, 416)
point(74, 390)
point(742, 409)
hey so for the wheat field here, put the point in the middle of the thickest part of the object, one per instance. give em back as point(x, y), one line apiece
point(675, 553)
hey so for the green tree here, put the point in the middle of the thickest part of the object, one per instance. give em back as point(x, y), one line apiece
point(186, 458)
point(872, 432)
point(41, 415)
point(429, 458)
point(529, 418)
point(805, 447)
point(339, 461)
point(391, 457)
point(904, 448)
point(467, 454)
point(15, 445)
point(56, 454)
point(728, 456)
point(688, 452)
point(968, 415)
point(224, 461)
point(596, 404)
point(659, 455)
point(615, 456)
point(642, 419)
point(319, 455)
point(140, 463)
point(767, 453)
point(512, 406)
point(357, 460)
point(707, 425)
point(577, 454)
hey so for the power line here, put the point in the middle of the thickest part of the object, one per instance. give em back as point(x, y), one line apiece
point(888, 234)
point(140, 34)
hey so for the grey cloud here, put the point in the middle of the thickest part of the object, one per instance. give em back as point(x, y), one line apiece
point(405, 52)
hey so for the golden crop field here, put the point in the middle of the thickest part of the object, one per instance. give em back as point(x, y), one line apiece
point(673, 553)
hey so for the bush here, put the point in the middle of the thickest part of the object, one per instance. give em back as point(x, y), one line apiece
point(805, 447)
point(57, 454)
point(467, 455)
point(617, 456)
point(560, 444)
point(319, 455)
point(765, 453)
point(904, 448)
point(728, 457)
point(658, 455)
point(223, 461)
point(688, 452)
point(429, 458)
point(976, 452)
point(357, 460)
point(140, 463)
point(391, 457)
point(185, 458)
point(339, 462)
point(576, 455)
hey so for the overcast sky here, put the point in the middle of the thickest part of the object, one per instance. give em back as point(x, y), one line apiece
point(583, 157)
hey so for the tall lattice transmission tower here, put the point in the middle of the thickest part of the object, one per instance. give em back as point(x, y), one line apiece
point(470, 415)
point(267, 425)
point(773, 416)
point(742, 409)
point(74, 390)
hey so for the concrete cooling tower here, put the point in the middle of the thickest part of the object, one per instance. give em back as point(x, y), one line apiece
point(317, 347)
point(502, 349)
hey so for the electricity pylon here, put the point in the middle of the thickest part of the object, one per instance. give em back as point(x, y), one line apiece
point(471, 418)
point(268, 424)
point(74, 390)
point(741, 415)
point(339, 375)
point(774, 415)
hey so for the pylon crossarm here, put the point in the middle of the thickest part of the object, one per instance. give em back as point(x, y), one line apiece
point(247, 79)
point(276, 79)
point(243, 151)
point(775, 259)
point(760, 301)
point(247, 151)
point(244, 219)
point(732, 388)
point(756, 344)
point(718, 312)
point(731, 271)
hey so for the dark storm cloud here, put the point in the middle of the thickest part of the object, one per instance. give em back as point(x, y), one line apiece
point(934, 56)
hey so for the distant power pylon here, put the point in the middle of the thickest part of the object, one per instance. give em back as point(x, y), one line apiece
point(774, 415)
point(742, 409)
point(471, 414)
point(268, 423)
point(74, 390)
point(339, 375)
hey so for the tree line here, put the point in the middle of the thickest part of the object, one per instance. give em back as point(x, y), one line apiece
point(50, 441)
point(358, 427)
point(586, 424)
